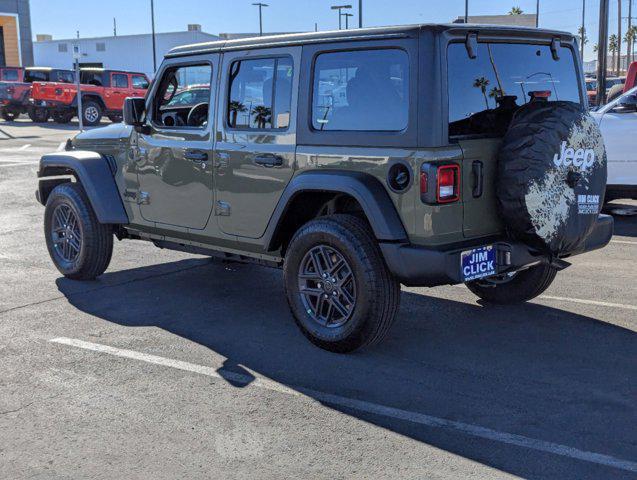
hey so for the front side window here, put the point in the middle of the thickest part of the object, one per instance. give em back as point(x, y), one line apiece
point(365, 90)
point(260, 93)
point(183, 97)
point(120, 80)
point(485, 92)
point(140, 82)
point(92, 78)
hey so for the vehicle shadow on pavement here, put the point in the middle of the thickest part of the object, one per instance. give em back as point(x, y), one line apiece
point(626, 225)
point(531, 370)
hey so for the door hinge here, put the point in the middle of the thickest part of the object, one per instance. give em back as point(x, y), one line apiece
point(222, 209)
point(143, 198)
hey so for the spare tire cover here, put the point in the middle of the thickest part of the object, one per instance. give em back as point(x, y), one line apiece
point(551, 176)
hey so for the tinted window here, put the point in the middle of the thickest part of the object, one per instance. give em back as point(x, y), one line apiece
point(92, 78)
point(175, 97)
point(10, 75)
point(31, 76)
point(260, 93)
point(65, 77)
point(484, 92)
point(361, 90)
point(140, 82)
point(120, 80)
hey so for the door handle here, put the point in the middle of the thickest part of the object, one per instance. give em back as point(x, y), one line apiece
point(196, 155)
point(478, 181)
point(268, 160)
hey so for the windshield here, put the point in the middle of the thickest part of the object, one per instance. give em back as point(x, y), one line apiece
point(484, 92)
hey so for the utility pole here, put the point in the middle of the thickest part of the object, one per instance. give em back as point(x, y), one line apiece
point(631, 37)
point(152, 22)
point(537, 14)
point(315, 27)
point(466, 11)
point(260, 5)
point(114, 27)
point(360, 13)
point(602, 52)
point(583, 27)
point(619, 36)
point(77, 55)
point(347, 15)
point(340, 14)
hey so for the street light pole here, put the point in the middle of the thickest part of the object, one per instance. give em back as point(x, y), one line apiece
point(537, 14)
point(339, 8)
point(260, 5)
point(583, 27)
point(360, 13)
point(152, 21)
point(466, 11)
point(347, 15)
point(602, 52)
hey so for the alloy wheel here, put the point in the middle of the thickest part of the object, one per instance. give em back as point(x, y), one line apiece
point(66, 233)
point(327, 286)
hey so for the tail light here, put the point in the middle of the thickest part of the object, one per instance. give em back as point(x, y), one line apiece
point(439, 183)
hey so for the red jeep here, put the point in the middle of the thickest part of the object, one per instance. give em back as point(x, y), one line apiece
point(103, 93)
point(15, 88)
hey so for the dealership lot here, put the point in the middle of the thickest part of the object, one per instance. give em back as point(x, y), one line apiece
point(176, 366)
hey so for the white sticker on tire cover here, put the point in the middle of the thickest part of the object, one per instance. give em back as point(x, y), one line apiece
point(549, 199)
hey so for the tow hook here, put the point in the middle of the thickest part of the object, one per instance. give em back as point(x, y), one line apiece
point(559, 264)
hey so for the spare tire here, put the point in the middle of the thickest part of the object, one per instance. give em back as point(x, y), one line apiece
point(551, 176)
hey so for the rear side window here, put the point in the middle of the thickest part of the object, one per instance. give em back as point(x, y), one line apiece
point(10, 75)
point(92, 78)
point(140, 82)
point(120, 80)
point(31, 76)
point(364, 90)
point(260, 94)
point(485, 92)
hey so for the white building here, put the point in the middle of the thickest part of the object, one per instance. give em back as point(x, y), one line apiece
point(123, 52)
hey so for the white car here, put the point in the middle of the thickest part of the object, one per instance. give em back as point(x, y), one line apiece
point(618, 123)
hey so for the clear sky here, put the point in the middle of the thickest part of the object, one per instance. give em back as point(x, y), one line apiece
point(62, 18)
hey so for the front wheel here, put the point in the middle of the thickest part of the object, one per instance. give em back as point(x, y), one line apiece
point(10, 115)
point(78, 244)
point(39, 115)
point(91, 113)
point(340, 292)
point(515, 287)
point(62, 117)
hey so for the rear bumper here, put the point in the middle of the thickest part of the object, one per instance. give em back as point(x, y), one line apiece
point(420, 266)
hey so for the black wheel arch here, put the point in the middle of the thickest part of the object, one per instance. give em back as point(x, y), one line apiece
point(373, 199)
point(93, 171)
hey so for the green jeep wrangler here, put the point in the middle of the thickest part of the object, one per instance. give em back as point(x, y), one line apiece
point(356, 160)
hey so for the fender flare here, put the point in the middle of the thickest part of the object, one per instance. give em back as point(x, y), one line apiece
point(366, 189)
point(92, 170)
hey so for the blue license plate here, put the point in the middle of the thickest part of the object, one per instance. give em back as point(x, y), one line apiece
point(478, 263)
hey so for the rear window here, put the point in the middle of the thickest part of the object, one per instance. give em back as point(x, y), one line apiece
point(363, 90)
point(484, 92)
point(9, 75)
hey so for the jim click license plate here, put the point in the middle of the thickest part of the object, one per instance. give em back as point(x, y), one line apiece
point(478, 263)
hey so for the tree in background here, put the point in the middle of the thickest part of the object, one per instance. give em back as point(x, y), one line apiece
point(516, 11)
point(629, 39)
point(482, 83)
point(581, 31)
point(612, 46)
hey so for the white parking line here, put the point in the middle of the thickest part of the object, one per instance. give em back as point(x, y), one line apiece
point(363, 406)
point(625, 242)
point(17, 164)
point(589, 302)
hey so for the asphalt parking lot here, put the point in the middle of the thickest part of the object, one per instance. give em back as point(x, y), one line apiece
point(176, 366)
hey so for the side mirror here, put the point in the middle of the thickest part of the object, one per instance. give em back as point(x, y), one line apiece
point(626, 104)
point(134, 111)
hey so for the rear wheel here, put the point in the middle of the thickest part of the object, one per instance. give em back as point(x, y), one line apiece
point(115, 118)
point(91, 113)
point(78, 244)
point(514, 287)
point(10, 115)
point(62, 117)
point(39, 115)
point(340, 292)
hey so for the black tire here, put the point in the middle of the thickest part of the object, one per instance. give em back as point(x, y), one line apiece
point(521, 287)
point(38, 115)
point(62, 117)
point(116, 118)
point(95, 239)
point(10, 115)
point(91, 113)
point(376, 295)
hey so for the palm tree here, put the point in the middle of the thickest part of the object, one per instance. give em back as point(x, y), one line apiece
point(516, 11)
point(612, 46)
point(482, 83)
point(629, 39)
point(235, 108)
point(261, 115)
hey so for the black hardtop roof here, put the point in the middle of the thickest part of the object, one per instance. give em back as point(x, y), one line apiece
point(109, 70)
point(358, 34)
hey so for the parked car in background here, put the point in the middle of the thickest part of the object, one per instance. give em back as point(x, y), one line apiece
point(618, 123)
point(15, 89)
point(614, 88)
point(103, 93)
